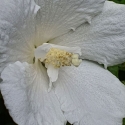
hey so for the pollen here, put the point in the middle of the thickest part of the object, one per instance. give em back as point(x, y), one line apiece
point(59, 58)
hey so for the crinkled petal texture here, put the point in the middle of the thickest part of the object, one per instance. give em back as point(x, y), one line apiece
point(90, 95)
point(102, 41)
point(57, 17)
point(20, 33)
point(16, 31)
point(25, 92)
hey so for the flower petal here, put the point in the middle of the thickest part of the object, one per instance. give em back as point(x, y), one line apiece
point(102, 41)
point(57, 17)
point(16, 31)
point(90, 95)
point(52, 72)
point(24, 89)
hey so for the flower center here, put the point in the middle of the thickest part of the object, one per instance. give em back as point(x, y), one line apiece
point(59, 58)
point(55, 56)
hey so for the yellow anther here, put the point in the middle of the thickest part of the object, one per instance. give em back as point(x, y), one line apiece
point(75, 56)
point(59, 58)
point(76, 62)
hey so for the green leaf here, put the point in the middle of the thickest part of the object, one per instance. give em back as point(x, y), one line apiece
point(118, 1)
point(123, 82)
point(114, 70)
point(122, 67)
point(123, 121)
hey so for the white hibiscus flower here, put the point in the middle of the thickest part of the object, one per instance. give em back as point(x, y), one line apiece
point(40, 50)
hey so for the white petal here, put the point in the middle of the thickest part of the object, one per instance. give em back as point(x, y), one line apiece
point(16, 31)
point(24, 89)
point(42, 50)
point(102, 41)
point(57, 17)
point(52, 72)
point(90, 95)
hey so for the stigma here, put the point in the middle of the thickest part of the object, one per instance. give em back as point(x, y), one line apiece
point(60, 58)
